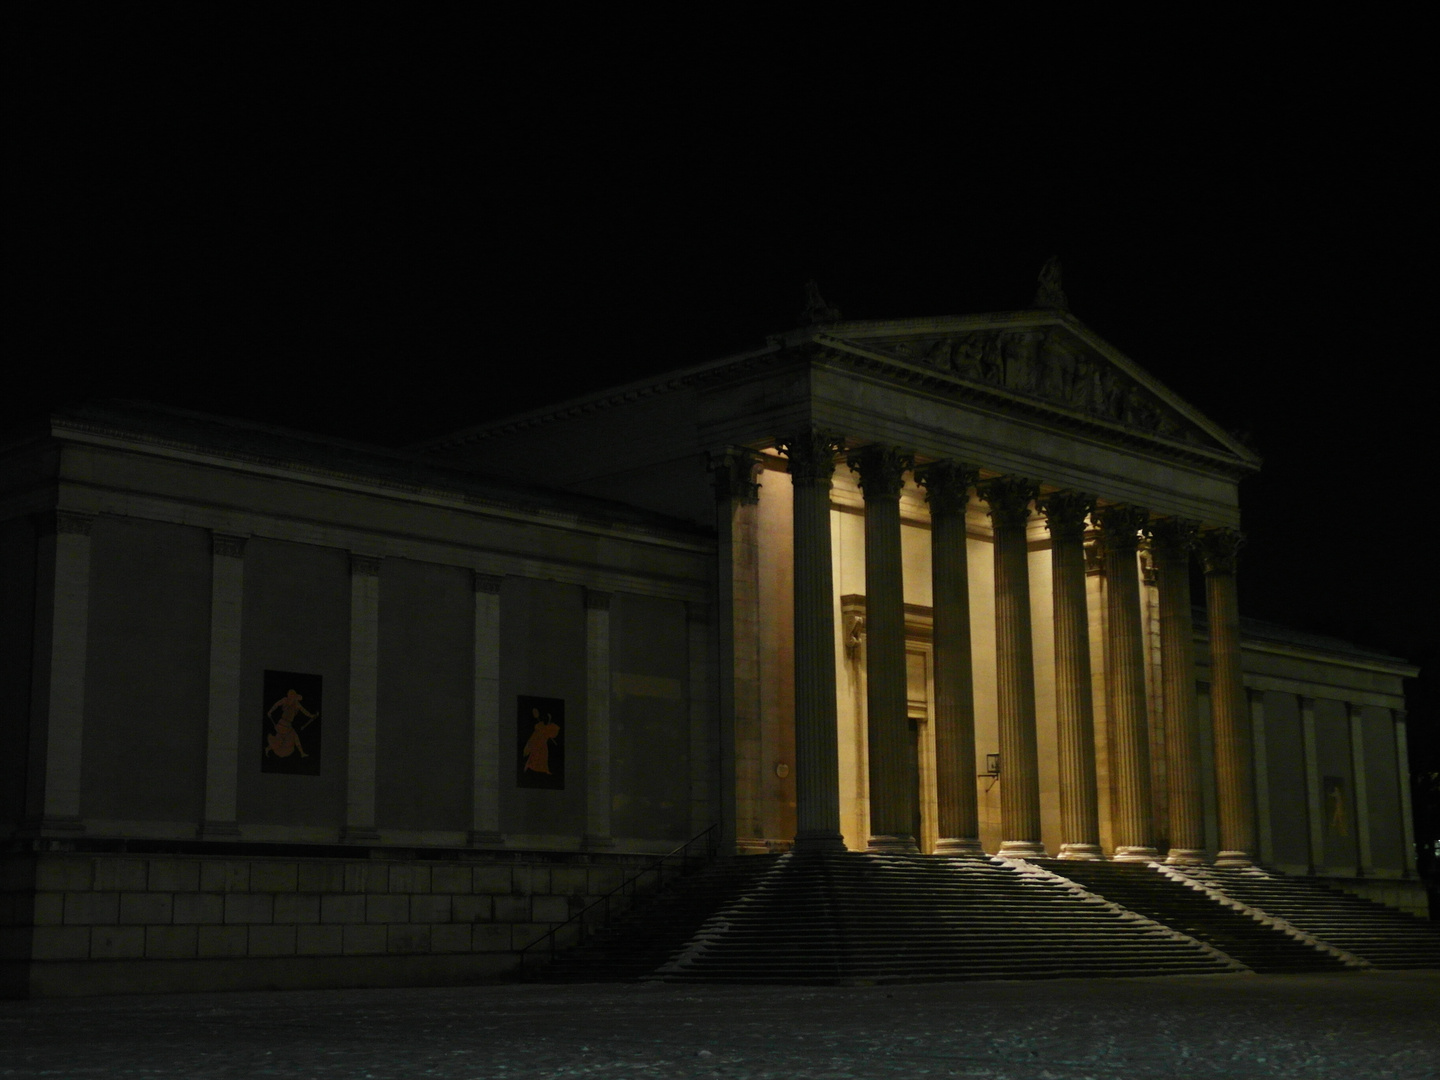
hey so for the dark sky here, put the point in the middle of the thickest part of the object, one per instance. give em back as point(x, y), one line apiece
point(388, 222)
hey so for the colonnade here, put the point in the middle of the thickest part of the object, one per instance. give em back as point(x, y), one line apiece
point(812, 456)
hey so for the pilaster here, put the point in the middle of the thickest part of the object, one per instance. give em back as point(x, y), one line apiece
point(1065, 513)
point(1009, 499)
point(702, 728)
point(1366, 867)
point(364, 683)
point(1314, 805)
point(1264, 830)
point(1407, 819)
point(57, 689)
point(597, 717)
point(947, 489)
point(811, 457)
point(485, 714)
point(1131, 803)
point(222, 744)
point(1219, 549)
point(893, 778)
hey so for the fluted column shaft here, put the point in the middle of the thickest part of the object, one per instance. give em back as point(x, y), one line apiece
point(1009, 498)
point(891, 746)
point(947, 487)
point(1065, 514)
point(1170, 545)
point(1234, 797)
point(817, 759)
point(1132, 815)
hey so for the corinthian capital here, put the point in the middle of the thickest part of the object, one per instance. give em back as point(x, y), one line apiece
point(1009, 498)
point(882, 470)
point(1065, 513)
point(812, 455)
point(1171, 540)
point(1120, 526)
point(947, 486)
point(733, 471)
point(1220, 550)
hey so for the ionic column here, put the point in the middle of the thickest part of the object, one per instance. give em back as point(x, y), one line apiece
point(1218, 548)
point(57, 687)
point(1366, 861)
point(1131, 807)
point(817, 757)
point(1407, 820)
point(222, 742)
point(891, 746)
point(1009, 498)
point(1065, 514)
point(364, 680)
point(947, 488)
point(597, 721)
point(1171, 540)
point(485, 714)
point(737, 493)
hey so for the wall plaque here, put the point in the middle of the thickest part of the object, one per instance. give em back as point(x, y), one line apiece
point(290, 731)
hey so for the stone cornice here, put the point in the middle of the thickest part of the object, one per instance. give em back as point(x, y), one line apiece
point(454, 489)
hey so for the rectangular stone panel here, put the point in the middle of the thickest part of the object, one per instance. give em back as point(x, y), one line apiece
point(198, 908)
point(297, 908)
point(48, 909)
point(120, 874)
point(387, 909)
point(225, 877)
point(451, 879)
point(249, 908)
point(319, 940)
point(342, 909)
point(217, 941)
point(117, 942)
point(272, 940)
point(171, 942)
point(62, 943)
point(173, 875)
point(321, 876)
point(495, 880)
point(429, 909)
point(490, 937)
point(62, 873)
point(266, 876)
point(409, 879)
point(365, 939)
point(367, 877)
point(145, 908)
point(471, 909)
point(452, 938)
point(408, 938)
point(91, 908)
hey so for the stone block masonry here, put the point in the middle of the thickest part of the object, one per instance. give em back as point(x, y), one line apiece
point(75, 923)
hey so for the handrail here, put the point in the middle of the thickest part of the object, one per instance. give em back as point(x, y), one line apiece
point(627, 886)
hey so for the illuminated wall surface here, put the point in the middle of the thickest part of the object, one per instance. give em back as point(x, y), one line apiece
point(158, 568)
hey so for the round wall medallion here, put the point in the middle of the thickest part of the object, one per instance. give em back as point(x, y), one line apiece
point(782, 770)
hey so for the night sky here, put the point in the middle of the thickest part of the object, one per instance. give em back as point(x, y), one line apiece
point(384, 223)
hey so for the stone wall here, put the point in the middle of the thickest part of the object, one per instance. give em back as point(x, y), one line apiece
point(115, 923)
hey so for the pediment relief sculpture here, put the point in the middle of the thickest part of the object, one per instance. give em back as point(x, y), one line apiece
point(1052, 365)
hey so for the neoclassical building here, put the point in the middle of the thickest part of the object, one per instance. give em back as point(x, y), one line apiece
point(912, 585)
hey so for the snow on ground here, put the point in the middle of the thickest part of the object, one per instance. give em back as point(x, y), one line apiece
point(1305, 1027)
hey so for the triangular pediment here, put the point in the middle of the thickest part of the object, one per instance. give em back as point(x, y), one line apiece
point(1046, 361)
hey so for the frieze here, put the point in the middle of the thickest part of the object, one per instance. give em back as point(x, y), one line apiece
point(1048, 364)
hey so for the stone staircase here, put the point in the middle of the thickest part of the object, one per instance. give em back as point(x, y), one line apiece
point(1381, 935)
point(856, 917)
point(1241, 933)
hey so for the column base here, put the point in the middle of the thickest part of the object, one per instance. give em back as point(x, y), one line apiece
point(751, 845)
point(1233, 860)
point(1136, 854)
point(1185, 857)
point(894, 845)
point(486, 838)
point(1087, 852)
point(592, 842)
point(958, 846)
point(818, 843)
point(1021, 849)
point(217, 830)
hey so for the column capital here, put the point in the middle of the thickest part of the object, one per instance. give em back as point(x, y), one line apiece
point(733, 472)
point(58, 522)
point(882, 470)
point(364, 565)
point(596, 600)
point(228, 545)
point(1065, 513)
point(947, 485)
point(486, 583)
point(1009, 498)
point(1171, 540)
point(1220, 550)
point(811, 455)
point(1120, 526)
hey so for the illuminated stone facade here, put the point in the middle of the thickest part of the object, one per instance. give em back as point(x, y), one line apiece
point(906, 585)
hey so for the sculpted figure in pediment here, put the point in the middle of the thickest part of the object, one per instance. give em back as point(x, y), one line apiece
point(1058, 365)
point(1019, 349)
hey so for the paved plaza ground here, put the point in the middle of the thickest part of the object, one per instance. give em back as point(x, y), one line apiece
point(1353, 1025)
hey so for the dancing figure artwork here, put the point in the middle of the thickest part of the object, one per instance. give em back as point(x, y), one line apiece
point(540, 742)
point(290, 735)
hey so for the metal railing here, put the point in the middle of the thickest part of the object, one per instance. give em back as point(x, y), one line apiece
point(677, 863)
